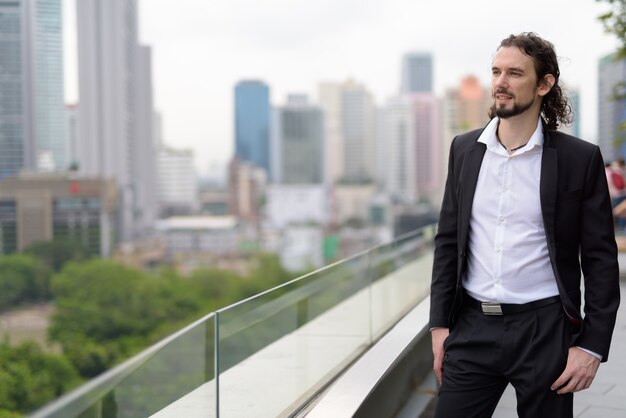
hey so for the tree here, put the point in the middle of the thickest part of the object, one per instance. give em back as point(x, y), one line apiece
point(29, 377)
point(57, 252)
point(614, 22)
point(106, 312)
point(22, 279)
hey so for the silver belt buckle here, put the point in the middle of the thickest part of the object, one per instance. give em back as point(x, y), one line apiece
point(490, 308)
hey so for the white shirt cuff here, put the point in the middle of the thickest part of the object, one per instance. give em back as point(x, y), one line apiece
point(596, 355)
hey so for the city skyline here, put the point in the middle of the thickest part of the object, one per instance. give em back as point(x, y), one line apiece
point(203, 49)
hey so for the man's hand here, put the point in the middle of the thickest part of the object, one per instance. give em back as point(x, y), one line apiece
point(438, 336)
point(579, 372)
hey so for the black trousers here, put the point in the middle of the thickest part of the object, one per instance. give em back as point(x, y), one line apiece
point(484, 353)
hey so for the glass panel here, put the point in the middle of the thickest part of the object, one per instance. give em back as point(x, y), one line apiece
point(401, 274)
point(292, 344)
point(174, 378)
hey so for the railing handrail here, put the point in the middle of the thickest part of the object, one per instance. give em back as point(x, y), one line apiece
point(322, 269)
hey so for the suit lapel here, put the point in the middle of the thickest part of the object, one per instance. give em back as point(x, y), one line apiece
point(469, 179)
point(548, 187)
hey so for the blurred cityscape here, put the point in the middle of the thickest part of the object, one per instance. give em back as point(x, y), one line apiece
point(312, 180)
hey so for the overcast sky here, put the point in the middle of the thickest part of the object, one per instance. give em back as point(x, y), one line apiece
point(201, 48)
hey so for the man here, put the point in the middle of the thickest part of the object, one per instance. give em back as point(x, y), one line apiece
point(525, 208)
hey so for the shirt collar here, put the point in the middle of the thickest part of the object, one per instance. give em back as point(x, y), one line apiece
point(490, 139)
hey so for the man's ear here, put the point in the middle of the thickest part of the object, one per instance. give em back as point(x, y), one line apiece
point(546, 85)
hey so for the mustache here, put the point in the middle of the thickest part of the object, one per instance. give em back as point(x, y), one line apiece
point(502, 90)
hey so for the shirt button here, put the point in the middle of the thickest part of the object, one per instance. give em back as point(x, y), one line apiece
point(498, 250)
point(500, 219)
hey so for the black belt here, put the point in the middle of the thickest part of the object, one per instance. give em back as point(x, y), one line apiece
point(493, 308)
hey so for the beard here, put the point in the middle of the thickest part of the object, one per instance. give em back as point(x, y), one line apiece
point(517, 109)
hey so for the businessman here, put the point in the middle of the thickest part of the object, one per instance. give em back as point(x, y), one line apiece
point(525, 208)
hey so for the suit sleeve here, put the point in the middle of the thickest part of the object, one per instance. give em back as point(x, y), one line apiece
point(444, 276)
point(598, 255)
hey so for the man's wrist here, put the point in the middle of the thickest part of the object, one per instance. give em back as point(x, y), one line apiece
point(596, 355)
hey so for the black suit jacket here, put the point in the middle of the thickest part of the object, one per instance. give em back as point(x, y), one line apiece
point(578, 222)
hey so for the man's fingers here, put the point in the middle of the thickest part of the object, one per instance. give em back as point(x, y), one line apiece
point(438, 337)
point(562, 380)
point(579, 372)
point(439, 375)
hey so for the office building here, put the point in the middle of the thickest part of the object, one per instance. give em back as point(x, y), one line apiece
point(411, 130)
point(36, 207)
point(297, 204)
point(246, 188)
point(71, 132)
point(298, 143)
point(146, 149)
point(115, 107)
point(573, 96)
point(398, 133)
point(464, 108)
point(177, 183)
point(417, 73)
point(32, 111)
point(350, 117)
point(252, 123)
point(611, 110)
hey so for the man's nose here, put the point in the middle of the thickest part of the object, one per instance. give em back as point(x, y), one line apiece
point(501, 80)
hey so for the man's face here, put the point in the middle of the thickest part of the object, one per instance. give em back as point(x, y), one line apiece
point(513, 83)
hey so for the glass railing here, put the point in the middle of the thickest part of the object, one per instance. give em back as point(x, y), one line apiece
point(268, 355)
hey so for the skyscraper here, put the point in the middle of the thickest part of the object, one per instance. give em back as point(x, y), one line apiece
point(115, 93)
point(466, 107)
point(573, 96)
point(398, 133)
point(299, 143)
point(410, 130)
point(350, 117)
point(32, 112)
point(146, 150)
point(427, 144)
point(417, 73)
point(252, 123)
point(611, 111)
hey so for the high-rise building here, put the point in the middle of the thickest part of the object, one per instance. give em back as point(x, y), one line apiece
point(412, 135)
point(246, 187)
point(425, 110)
point(350, 117)
point(252, 123)
point(611, 110)
point(417, 73)
point(145, 155)
point(299, 143)
point(177, 183)
point(32, 111)
point(398, 133)
point(71, 131)
point(466, 107)
point(115, 106)
point(573, 95)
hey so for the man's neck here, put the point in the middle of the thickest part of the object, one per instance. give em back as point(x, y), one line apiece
point(516, 131)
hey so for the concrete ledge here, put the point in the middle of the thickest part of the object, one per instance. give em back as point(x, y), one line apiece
point(382, 380)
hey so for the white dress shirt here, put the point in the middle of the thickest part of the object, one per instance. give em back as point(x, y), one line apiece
point(508, 260)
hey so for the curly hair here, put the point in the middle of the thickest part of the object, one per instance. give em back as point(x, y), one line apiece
point(554, 106)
